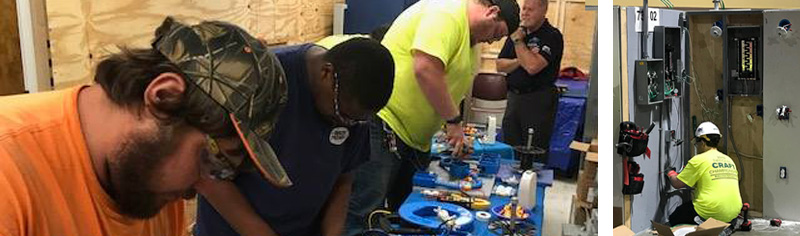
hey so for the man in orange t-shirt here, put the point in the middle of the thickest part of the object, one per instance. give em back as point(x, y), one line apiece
point(114, 158)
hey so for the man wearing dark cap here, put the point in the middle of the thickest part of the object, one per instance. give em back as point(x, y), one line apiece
point(433, 45)
point(320, 137)
point(115, 157)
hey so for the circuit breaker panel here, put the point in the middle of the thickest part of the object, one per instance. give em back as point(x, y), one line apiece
point(649, 79)
point(744, 60)
point(667, 46)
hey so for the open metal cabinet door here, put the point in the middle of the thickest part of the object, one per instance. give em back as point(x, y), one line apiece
point(657, 200)
point(781, 86)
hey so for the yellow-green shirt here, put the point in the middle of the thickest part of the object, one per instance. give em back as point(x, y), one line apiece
point(438, 28)
point(716, 182)
point(333, 40)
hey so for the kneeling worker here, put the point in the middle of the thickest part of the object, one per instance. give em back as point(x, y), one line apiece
point(715, 179)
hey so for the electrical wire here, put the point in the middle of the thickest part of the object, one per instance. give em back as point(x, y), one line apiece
point(668, 3)
point(734, 144)
point(371, 214)
point(733, 141)
point(723, 3)
point(707, 113)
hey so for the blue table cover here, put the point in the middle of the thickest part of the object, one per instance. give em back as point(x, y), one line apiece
point(544, 180)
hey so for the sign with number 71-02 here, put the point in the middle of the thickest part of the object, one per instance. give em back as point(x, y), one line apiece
point(653, 17)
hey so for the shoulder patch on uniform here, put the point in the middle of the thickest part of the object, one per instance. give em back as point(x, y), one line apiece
point(546, 49)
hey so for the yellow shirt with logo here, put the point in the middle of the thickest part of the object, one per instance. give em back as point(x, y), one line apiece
point(716, 182)
point(438, 28)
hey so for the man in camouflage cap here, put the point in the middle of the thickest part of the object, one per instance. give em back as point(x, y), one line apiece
point(242, 78)
point(112, 158)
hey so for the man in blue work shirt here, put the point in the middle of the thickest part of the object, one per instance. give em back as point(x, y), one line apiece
point(319, 138)
point(531, 57)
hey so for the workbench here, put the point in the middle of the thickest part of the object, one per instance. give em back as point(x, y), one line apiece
point(499, 148)
point(544, 180)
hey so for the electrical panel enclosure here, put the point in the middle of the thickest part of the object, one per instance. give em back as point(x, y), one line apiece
point(744, 60)
point(649, 80)
point(667, 46)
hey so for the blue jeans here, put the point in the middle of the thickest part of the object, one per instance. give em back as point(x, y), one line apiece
point(385, 178)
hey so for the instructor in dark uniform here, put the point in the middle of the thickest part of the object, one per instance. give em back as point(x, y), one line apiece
point(531, 57)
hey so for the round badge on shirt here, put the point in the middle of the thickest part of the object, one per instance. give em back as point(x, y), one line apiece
point(339, 135)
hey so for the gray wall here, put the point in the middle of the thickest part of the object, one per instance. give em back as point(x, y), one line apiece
point(590, 127)
point(618, 199)
point(781, 57)
point(658, 199)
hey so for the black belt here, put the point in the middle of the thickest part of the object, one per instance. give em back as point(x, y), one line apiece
point(529, 89)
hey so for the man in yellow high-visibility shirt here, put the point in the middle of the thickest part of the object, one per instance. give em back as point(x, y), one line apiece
point(433, 44)
point(715, 180)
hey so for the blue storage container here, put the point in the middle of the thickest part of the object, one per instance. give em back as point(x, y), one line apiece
point(568, 127)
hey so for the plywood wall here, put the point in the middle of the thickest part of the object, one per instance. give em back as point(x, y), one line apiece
point(11, 80)
point(575, 23)
point(707, 63)
point(82, 32)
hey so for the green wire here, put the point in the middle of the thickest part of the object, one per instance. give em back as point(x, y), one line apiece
point(723, 3)
point(665, 3)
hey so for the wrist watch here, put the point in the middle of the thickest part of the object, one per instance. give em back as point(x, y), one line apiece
point(456, 120)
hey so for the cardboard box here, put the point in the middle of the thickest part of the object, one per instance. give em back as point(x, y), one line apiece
point(586, 178)
point(623, 231)
point(579, 210)
point(711, 227)
point(584, 147)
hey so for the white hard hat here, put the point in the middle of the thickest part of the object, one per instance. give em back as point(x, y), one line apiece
point(706, 128)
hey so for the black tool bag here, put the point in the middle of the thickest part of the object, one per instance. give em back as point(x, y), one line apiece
point(635, 180)
point(632, 139)
point(632, 142)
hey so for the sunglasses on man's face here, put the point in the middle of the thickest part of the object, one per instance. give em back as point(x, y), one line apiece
point(346, 121)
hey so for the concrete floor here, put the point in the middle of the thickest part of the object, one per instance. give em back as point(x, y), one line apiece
point(558, 201)
point(761, 227)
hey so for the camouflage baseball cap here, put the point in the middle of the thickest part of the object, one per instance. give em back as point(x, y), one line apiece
point(240, 74)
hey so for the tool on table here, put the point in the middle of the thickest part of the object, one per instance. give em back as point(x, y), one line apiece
point(526, 163)
point(514, 210)
point(491, 130)
point(457, 169)
point(528, 153)
point(437, 215)
point(513, 226)
point(458, 198)
point(431, 180)
point(385, 223)
point(527, 189)
point(504, 212)
point(489, 164)
point(483, 216)
point(502, 227)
